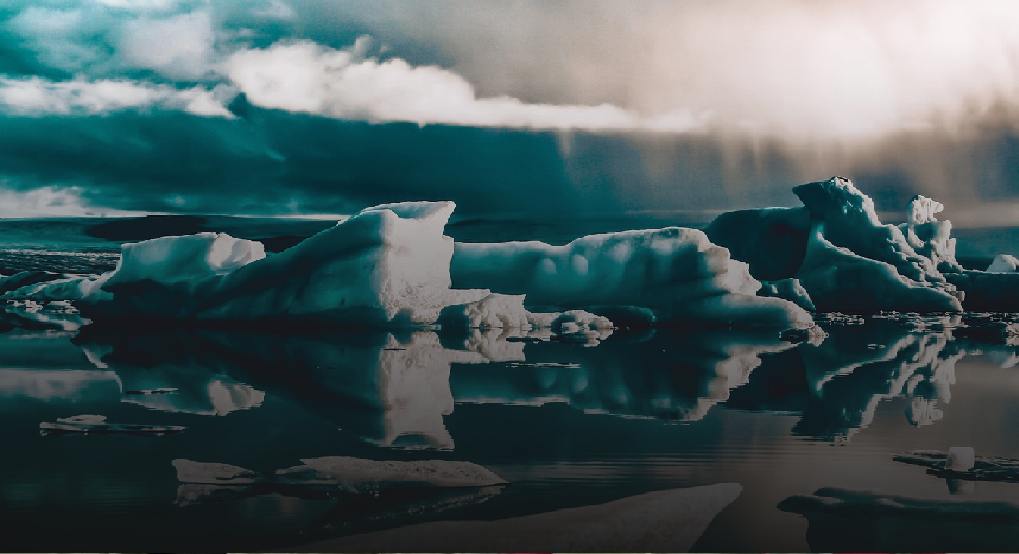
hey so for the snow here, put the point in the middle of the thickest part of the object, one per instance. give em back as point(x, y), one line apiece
point(1003, 263)
point(661, 521)
point(677, 273)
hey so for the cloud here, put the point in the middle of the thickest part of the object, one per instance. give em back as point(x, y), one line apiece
point(795, 69)
point(179, 47)
point(35, 96)
point(49, 201)
point(308, 78)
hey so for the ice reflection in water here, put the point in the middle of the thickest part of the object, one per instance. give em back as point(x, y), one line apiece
point(398, 392)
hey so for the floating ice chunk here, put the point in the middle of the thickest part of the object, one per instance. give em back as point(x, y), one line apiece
point(495, 311)
point(677, 273)
point(215, 474)
point(662, 521)
point(1003, 263)
point(960, 458)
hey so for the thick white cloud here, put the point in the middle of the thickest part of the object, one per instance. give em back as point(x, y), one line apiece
point(309, 78)
point(180, 47)
point(36, 96)
point(790, 68)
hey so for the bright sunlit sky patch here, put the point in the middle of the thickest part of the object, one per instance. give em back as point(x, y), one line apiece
point(299, 106)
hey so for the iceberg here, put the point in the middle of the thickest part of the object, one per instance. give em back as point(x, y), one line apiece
point(392, 266)
point(676, 273)
point(844, 258)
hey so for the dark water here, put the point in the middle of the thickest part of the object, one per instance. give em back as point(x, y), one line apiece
point(567, 425)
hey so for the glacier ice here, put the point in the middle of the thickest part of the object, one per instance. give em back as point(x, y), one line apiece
point(391, 265)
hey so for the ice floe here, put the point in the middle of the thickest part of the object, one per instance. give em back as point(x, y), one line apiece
point(345, 475)
point(662, 521)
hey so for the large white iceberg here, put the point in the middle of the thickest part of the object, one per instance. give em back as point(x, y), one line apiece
point(677, 273)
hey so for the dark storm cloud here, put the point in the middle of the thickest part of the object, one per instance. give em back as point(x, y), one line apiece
point(529, 106)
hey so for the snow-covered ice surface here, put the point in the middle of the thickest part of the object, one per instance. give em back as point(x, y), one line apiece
point(662, 521)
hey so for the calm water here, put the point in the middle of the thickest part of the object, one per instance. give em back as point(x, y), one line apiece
point(567, 425)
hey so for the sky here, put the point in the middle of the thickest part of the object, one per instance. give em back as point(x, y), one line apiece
point(509, 108)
